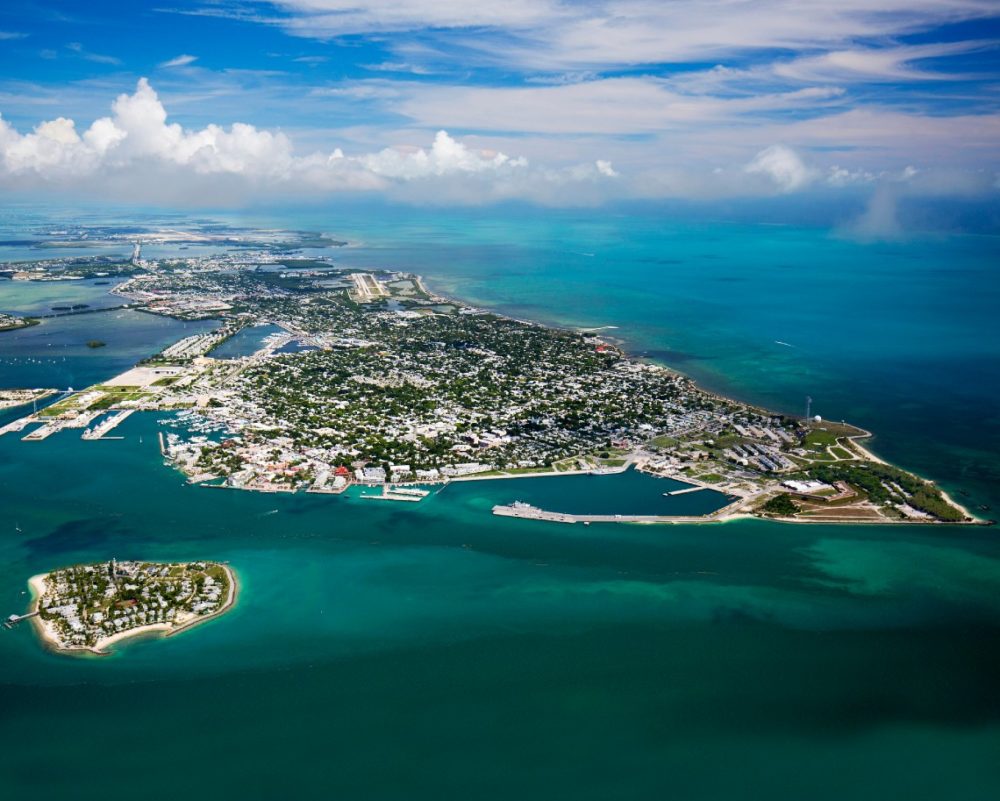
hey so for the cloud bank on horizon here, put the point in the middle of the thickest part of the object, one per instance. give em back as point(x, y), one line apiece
point(471, 101)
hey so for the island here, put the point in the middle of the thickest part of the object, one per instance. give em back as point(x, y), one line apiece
point(18, 397)
point(365, 376)
point(11, 322)
point(86, 608)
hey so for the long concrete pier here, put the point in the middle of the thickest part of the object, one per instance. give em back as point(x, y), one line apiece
point(18, 425)
point(533, 513)
point(102, 428)
point(684, 491)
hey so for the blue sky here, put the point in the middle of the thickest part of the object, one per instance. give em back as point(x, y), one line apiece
point(558, 102)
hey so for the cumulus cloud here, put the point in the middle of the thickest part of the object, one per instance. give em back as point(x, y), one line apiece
point(137, 141)
point(445, 156)
point(782, 166)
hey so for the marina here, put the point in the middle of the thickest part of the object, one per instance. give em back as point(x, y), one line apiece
point(390, 493)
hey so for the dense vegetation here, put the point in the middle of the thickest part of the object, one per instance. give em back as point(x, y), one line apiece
point(781, 505)
point(887, 484)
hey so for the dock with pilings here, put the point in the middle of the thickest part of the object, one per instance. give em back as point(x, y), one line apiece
point(13, 620)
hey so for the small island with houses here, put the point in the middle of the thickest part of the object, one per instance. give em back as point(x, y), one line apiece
point(86, 608)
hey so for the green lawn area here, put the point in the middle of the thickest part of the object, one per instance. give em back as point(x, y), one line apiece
point(709, 478)
point(820, 439)
point(841, 453)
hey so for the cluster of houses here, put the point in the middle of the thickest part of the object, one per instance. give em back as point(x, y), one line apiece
point(393, 394)
point(84, 604)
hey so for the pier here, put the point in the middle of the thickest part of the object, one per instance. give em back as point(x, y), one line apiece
point(54, 426)
point(684, 491)
point(109, 424)
point(13, 620)
point(529, 512)
point(44, 432)
point(18, 425)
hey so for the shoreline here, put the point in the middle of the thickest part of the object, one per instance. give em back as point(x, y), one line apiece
point(37, 586)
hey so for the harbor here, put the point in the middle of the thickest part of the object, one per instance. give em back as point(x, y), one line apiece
point(390, 493)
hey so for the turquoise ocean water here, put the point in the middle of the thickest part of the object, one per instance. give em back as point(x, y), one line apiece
point(434, 651)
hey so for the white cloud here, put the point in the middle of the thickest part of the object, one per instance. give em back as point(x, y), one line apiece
point(179, 61)
point(554, 34)
point(604, 168)
point(690, 147)
point(324, 18)
point(783, 166)
point(445, 156)
point(606, 106)
point(887, 63)
point(97, 58)
point(137, 142)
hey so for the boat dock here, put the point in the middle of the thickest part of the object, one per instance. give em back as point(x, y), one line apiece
point(109, 424)
point(13, 620)
point(411, 494)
